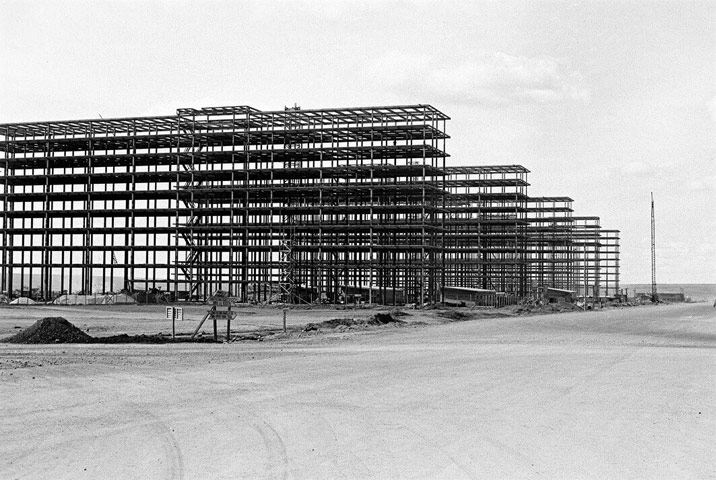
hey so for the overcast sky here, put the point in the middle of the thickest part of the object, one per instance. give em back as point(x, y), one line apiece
point(602, 101)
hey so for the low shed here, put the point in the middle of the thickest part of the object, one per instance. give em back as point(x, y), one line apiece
point(555, 295)
point(671, 297)
point(474, 296)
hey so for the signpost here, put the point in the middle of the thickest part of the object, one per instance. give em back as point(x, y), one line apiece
point(222, 302)
point(217, 315)
point(175, 313)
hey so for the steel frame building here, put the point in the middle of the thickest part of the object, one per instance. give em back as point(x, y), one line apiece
point(486, 228)
point(291, 206)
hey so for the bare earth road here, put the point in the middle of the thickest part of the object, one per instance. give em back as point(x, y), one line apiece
point(612, 394)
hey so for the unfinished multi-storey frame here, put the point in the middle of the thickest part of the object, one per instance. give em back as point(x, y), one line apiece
point(551, 251)
point(294, 203)
point(291, 205)
point(597, 258)
point(486, 224)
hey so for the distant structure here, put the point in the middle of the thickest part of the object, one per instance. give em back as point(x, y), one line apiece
point(296, 205)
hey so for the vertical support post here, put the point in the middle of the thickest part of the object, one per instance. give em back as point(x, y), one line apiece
point(584, 306)
point(228, 324)
point(7, 223)
point(284, 319)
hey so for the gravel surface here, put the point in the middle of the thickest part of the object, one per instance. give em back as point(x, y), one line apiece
point(623, 393)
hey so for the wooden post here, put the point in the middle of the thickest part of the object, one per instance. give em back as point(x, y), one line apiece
point(174, 321)
point(198, 327)
point(216, 333)
point(284, 319)
point(228, 325)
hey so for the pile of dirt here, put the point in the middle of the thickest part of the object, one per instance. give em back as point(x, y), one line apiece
point(546, 308)
point(334, 323)
point(456, 315)
point(380, 318)
point(151, 339)
point(59, 330)
point(124, 338)
point(50, 330)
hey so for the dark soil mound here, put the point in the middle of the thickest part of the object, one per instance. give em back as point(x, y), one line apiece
point(457, 315)
point(124, 338)
point(51, 330)
point(383, 319)
point(547, 308)
point(150, 339)
point(377, 319)
point(59, 330)
point(336, 322)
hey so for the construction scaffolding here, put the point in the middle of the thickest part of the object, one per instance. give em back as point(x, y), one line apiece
point(294, 205)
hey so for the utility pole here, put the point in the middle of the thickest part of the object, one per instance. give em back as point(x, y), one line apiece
point(654, 295)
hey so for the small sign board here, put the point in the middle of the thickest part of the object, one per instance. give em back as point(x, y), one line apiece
point(175, 313)
point(221, 302)
point(224, 315)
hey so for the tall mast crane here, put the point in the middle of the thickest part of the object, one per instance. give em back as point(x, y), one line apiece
point(654, 295)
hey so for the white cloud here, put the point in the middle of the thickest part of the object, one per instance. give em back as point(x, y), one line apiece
point(495, 78)
point(699, 185)
point(635, 168)
point(170, 106)
point(712, 108)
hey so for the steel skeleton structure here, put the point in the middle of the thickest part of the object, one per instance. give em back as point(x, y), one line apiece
point(304, 202)
point(551, 242)
point(588, 250)
point(485, 228)
point(291, 205)
point(609, 262)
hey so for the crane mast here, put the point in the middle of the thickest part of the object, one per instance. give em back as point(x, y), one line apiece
point(654, 295)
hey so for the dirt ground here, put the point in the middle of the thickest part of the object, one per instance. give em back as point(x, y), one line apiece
point(106, 320)
point(620, 393)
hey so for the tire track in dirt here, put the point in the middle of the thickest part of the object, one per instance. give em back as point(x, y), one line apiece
point(436, 447)
point(277, 461)
point(46, 451)
point(158, 429)
point(277, 457)
point(170, 446)
point(329, 428)
point(41, 450)
point(587, 379)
